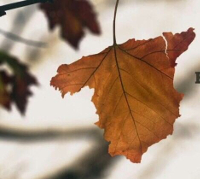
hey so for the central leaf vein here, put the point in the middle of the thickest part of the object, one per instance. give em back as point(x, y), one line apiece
point(126, 99)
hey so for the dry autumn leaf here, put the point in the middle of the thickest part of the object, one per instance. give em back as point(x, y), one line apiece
point(134, 93)
point(4, 94)
point(73, 16)
point(15, 87)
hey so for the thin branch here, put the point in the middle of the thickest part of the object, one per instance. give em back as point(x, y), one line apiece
point(17, 38)
point(20, 4)
point(18, 25)
point(30, 133)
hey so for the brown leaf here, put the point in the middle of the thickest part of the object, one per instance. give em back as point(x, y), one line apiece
point(134, 94)
point(73, 16)
point(4, 93)
point(15, 87)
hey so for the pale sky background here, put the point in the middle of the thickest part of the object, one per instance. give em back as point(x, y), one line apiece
point(178, 156)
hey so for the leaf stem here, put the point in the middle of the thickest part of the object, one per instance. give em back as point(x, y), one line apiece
point(114, 23)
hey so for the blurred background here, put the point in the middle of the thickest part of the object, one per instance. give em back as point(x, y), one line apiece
point(57, 138)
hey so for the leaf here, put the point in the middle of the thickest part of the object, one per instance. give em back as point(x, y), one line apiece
point(15, 87)
point(4, 94)
point(134, 94)
point(73, 16)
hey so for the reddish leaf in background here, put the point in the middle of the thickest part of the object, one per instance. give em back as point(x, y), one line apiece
point(15, 87)
point(134, 93)
point(73, 16)
point(4, 94)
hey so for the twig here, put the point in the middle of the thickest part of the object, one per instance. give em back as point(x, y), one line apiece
point(17, 38)
point(19, 23)
point(30, 133)
point(16, 5)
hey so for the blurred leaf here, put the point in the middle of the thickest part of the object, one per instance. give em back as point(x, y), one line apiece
point(14, 87)
point(4, 94)
point(72, 16)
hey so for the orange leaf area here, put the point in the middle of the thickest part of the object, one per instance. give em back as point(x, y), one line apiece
point(134, 94)
point(72, 16)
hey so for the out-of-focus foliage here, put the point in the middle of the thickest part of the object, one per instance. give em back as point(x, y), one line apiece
point(73, 16)
point(14, 86)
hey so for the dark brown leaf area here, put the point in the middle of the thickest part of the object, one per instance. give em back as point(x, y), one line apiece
point(73, 16)
point(14, 88)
